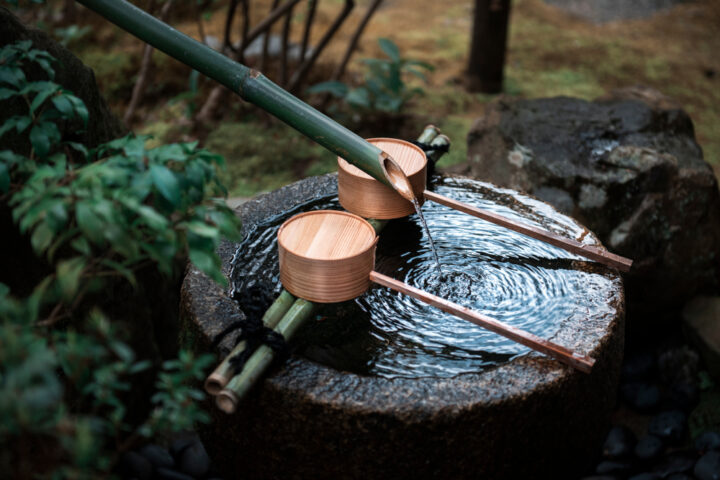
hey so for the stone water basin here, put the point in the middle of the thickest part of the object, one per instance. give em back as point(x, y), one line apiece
point(386, 387)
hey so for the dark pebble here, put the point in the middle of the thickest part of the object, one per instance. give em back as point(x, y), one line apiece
point(708, 441)
point(646, 476)
point(178, 445)
point(158, 456)
point(169, 474)
point(641, 396)
point(619, 443)
point(677, 463)
point(683, 396)
point(671, 426)
point(649, 447)
point(708, 467)
point(639, 366)
point(680, 476)
point(134, 465)
point(612, 467)
point(195, 460)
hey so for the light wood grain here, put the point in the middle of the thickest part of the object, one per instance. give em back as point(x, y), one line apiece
point(361, 194)
point(594, 253)
point(558, 352)
point(326, 255)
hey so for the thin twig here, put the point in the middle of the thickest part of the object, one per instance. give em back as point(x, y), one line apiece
point(304, 68)
point(352, 45)
point(145, 68)
point(311, 8)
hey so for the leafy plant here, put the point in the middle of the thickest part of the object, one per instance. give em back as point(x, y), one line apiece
point(190, 95)
point(385, 89)
point(71, 34)
point(97, 217)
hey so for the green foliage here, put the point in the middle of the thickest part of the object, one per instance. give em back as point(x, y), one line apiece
point(190, 96)
point(71, 34)
point(385, 89)
point(96, 216)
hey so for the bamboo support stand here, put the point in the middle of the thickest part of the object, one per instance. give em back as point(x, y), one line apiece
point(225, 371)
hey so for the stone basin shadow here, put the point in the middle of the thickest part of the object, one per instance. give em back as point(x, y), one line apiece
point(309, 420)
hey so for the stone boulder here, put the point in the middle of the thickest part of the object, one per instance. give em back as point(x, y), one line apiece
point(628, 167)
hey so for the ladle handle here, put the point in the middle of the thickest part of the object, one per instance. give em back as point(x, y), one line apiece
point(564, 355)
point(573, 246)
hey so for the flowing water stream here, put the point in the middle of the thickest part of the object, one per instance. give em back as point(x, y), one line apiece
point(512, 278)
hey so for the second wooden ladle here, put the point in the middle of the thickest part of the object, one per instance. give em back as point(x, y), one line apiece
point(328, 256)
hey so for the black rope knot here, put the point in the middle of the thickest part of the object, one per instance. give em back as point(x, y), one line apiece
point(255, 300)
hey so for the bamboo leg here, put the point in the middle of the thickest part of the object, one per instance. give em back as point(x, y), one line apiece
point(222, 374)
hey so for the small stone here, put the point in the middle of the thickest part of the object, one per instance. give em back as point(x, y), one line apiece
point(677, 463)
point(649, 447)
point(195, 460)
point(619, 443)
point(639, 366)
point(613, 467)
point(646, 476)
point(670, 426)
point(708, 467)
point(641, 396)
point(134, 465)
point(680, 476)
point(679, 364)
point(169, 474)
point(158, 456)
point(702, 318)
point(708, 441)
point(683, 396)
point(179, 444)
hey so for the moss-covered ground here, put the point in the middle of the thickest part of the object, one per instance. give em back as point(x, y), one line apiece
point(549, 53)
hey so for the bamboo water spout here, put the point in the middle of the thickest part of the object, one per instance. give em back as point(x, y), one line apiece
point(249, 84)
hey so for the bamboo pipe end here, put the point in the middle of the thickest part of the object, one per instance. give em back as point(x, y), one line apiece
point(227, 401)
point(215, 383)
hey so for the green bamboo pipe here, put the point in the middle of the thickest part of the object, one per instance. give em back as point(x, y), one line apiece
point(225, 371)
point(251, 85)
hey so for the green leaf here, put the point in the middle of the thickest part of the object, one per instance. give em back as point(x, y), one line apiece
point(166, 183)
point(41, 238)
point(135, 147)
point(88, 222)
point(68, 275)
point(336, 89)
point(203, 229)
point(6, 93)
point(64, 105)
point(12, 76)
point(209, 264)
point(359, 97)
point(4, 178)
point(390, 49)
point(81, 245)
point(41, 97)
point(152, 218)
point(43, 136)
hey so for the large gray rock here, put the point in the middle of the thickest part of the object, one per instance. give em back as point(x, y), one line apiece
point(601, 11)
point(626, 166)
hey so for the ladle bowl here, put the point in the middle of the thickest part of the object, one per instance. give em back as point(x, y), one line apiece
point(326, 256)
point(362, 195)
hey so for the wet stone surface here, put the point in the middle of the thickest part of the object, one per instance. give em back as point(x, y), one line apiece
point(492, 423)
